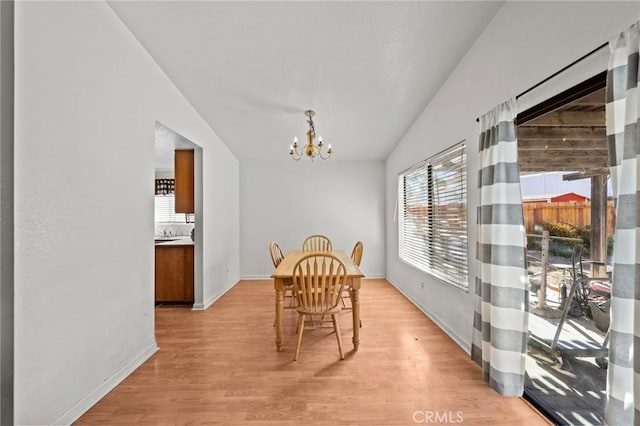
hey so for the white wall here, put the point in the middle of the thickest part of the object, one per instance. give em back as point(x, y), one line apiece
point(87, 99)
point(287, 201)
point(525, 43)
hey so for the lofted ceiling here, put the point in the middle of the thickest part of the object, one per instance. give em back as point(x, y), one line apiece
point(251, 69)
point(166, 142)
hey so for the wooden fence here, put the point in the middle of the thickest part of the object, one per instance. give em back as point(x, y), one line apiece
point(578, 214)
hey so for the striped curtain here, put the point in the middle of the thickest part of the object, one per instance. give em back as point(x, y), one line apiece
point(623, 381)
point(501, 312)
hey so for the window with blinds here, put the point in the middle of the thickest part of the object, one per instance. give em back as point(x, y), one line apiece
point(165, 210)
point(432, 216)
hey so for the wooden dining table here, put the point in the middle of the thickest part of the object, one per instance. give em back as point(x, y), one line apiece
point(283, 277)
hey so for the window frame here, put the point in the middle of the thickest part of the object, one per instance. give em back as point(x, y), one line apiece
point(436, 239)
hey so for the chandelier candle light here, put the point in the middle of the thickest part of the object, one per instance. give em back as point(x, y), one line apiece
point(311, 150)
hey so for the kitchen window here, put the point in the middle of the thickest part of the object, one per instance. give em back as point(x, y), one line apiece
point(165, 210)
point(432, 216)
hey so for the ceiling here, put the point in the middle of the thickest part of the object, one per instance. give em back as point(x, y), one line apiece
point(570, 138)
point(251, 69)
point(166, 142)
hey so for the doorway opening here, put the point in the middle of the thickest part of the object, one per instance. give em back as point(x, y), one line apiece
point(178, 220)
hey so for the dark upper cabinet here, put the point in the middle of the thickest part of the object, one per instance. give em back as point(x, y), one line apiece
point(184, 176)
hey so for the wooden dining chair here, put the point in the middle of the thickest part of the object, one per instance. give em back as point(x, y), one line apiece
point(317, 242)
point(356, 256)
point(318, 279)
point(276, 253)
point(356, 253)
point(276, 257)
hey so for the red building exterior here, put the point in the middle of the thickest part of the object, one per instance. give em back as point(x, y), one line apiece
point(566, 197)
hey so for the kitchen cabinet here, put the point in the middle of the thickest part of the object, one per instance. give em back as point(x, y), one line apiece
point(184, 178)
point(174, 273)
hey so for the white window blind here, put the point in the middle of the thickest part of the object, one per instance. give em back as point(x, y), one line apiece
point(432, 216)
point(165, 210)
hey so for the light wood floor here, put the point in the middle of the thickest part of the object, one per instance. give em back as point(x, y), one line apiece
point(220, 366)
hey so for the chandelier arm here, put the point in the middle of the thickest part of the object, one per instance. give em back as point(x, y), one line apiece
point(325, 157)
point(295, 154)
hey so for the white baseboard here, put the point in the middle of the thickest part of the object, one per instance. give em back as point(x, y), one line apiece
point(255, 277)
point(205, 305)
point(97, 394)
point(454, 336)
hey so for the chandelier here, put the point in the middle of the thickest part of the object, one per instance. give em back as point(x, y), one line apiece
point(311, 149)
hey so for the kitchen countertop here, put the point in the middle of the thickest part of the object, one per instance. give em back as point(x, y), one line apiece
point(174, 241)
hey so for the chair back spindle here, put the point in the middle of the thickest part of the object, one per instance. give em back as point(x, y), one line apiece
point(319, 281)
point(317, 242)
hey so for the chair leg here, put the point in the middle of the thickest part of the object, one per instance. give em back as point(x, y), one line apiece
point(336, 327)
point(300, 331)
point(293, 300)
point(348, 296)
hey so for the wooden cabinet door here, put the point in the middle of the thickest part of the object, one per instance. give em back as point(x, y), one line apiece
point(184, 181)
point(174, 274)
